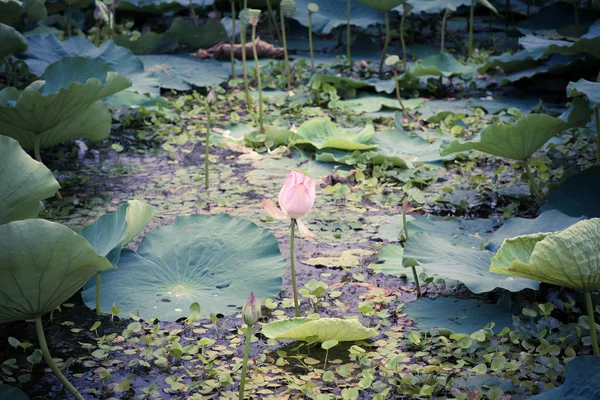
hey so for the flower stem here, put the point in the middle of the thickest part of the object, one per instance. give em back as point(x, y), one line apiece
point(285, 52)
point(293, 268)
point(233, 38)
point(444, 19)
point(46, 353)
point(325, 363)
point(386, 42)
point(402, 41)
point(592, 323)
point(206, 149)
point(532, 184)
point(398, 89)
point(193, 13)
point(244, 67)
point(245, 362)
point(258, 81)
point(98, 294)
point(348, 33)
point(471, 21)
point(310, 42)
point(273, 20)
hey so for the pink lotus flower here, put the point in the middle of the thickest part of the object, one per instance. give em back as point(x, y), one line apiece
point(296, 198)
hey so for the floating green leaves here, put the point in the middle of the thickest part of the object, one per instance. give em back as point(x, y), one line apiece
point(212, 260)
point(370, 104)
point(24, 182)
point(63, 107)
point(318, 330)
point(43, 264)
point(322, 133)
point(581, 381)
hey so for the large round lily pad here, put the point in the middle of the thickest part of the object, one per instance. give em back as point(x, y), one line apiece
point(42, 264)
point(213, 260)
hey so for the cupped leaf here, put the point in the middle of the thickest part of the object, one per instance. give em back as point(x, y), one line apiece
point(589, 90)
point(66, 106)
point(322, 133)
point(581, 381)
point(212, 260)
point(539, 47)
point(24, 182)
point(12, 41)
point(109, 233)
point(518, 141)
point(318, 330)
point(568, 258)
point(438, 256)
point(46, 50)
point(383, 5)
point(42, 264)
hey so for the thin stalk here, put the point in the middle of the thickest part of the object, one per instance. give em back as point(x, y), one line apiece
point(233, 38)
point(310, 42)
point(293, 268)
point(348, 32)
point(532, 183)
point(577, 29)
point(404, 69)
point(285, 52)
point(405, 226)
point(244, 66)
point(206, 149)
point(258, 81)
point(386, 42)
point(46, 353)
point(245, 362)
point(416, 277)
point(592, 323)
point(598, 136)
point(273, 20)
point(325, 363)
point(193, 13)
point(98, 293)
point(398, 89)
point(69, 18)
point(444, 19)
point(471, 23)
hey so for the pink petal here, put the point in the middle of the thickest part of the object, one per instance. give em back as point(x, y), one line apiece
point(272, 210)
point(304, 230)
point(296, 203)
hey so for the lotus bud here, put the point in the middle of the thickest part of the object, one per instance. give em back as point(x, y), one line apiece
point(211, 97)
point(297, 196)
point(251, 310)
point(288, 8)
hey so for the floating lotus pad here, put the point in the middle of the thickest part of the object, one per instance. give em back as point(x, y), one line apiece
point(43, 265)
point(213, 260)
point(24, 182)
point(63, 107)
point(322, 133)
point(318, 330)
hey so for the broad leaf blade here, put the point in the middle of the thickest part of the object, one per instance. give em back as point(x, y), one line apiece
point(320, 330)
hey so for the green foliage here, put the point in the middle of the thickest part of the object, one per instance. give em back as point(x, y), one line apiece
point(581, 381)
point(317, 330)
point(12, 41)
point(24, 182)
point(43, 264)
point(322, 133)
point(205, 36)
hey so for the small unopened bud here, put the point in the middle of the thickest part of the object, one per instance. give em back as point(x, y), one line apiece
point(251, 310)
point(211, 97)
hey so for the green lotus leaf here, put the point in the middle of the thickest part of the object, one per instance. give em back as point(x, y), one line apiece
point(509, 62)
point(442, 65)
point(568, 258)
point(273, 136)
point(371, 104)
point(109, 233)
point(332, 13)
point(63, 107)
point(587, 89)
point(182, 73)
point(581, 381)
point(578, 195)
point(11, 12)
point(12, 393)
point(12, 41)
point(407, 81)
point(434, 6)
point(213, 260)
point(556, 65)
point(437, 256)
point(43, 265)
point(539, 47)
point(148, 43)
point(322, 133)
point(382, 5)
point(78, 3)
point(24, 182)
point(518, 141)
point(319, 330)
point(46, 50)
point(203, 37)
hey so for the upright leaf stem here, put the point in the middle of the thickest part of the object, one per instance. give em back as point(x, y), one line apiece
point(398, 89)
point(293, 268)
point(386, 42)
point(39, 328)
point(471, 23)
point(206, 148)
point(444, 19)
point(310, 42)
point(402, 41)
point(193, 13)
point(245, 362)
point(273, 20)
point(233, 16)
point(258, 81)
point(348, 32)
point(592, 323)
point(244, 66)
point(288, 74)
